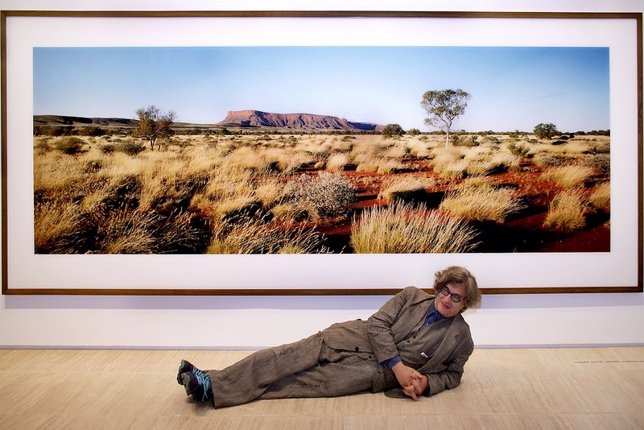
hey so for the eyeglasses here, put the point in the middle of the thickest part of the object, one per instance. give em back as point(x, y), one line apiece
point(446, 292)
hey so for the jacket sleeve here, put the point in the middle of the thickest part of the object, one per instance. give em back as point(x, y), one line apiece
point(379, 325)
point(450, 376)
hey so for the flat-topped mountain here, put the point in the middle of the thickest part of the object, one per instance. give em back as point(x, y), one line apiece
point(298, 121)
point(242, 118)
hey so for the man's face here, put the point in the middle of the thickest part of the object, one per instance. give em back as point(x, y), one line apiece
point(444, 303)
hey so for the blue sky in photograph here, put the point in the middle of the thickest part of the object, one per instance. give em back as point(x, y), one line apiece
point(512, 88)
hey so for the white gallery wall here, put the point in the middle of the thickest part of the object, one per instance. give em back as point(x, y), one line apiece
point(257, 321)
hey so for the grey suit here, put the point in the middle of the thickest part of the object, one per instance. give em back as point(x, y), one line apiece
point(344, 358)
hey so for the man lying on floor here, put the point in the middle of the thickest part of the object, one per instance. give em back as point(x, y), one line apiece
point(416, 342)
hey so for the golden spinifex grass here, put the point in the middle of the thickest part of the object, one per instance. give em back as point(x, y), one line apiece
point(566, 212)
point(404, 184)
point(405, 228)
point(600, 197)
point(482, 203)
point(248, 235)
point(568, 176)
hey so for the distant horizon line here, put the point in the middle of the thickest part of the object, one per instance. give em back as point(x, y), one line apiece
point(217, 124)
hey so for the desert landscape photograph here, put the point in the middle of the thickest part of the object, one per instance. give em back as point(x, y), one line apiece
point(321, 150)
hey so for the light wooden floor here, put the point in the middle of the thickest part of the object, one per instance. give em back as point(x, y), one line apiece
point(589, 388)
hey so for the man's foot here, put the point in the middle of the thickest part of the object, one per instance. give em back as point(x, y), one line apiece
point(184, 367)
point(197, 384)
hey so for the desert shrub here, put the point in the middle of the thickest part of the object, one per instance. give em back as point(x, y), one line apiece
point(107, 148)
point(464, 140)
point(544, 159)
point(129, 147)
point(69, 145)
point(404, 228)
point(599, 148)
point(406, 184)
point(392, 131)
point(518, 149)
point(600, 197)
point(325, 195)
point(482, 203)
point(490, 140)
point(413, 132)
point(566, 211)
point(568, 176)
point(601, 163)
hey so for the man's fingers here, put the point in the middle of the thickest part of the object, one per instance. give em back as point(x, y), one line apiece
point(410, 392)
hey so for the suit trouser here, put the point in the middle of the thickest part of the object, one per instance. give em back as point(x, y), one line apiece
point(307, 368)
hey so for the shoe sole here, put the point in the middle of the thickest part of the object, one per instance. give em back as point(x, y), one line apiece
point(185, 381)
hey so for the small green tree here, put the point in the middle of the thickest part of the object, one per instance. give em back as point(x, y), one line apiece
point(152, 124)
point(392, 130)
point(545, 131)
point(443, 107)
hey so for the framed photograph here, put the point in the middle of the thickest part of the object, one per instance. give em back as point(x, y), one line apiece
point(313, 153)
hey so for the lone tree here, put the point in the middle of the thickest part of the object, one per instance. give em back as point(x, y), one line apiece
point(392, 130)
point(152, 124)
point(545, 131)
point(443, 107)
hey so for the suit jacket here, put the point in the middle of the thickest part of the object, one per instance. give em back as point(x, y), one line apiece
point(401, 318)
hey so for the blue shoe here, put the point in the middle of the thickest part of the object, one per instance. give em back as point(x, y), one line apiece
point(197, 384)
point(184, 367)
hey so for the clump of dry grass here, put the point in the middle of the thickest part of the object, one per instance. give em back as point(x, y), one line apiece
point(252, 236)
point(449, 163)
point(337, 162)
point(482, 203)
point(403, 228)
point(404, 184)
point(600, 197)
point(568, 176)
point(56, 227)
point(566, 212)
point(492, 163)
point(145, 232)
point(419, 149)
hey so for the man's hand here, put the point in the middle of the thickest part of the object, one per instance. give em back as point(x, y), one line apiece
point(412, 382)
point(405, 374)
point(417, 387)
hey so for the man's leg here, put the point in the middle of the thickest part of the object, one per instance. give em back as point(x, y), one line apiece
point(249, 378)
point(340, 374)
